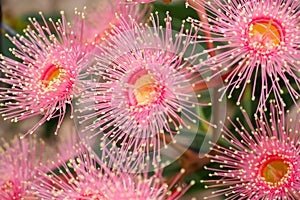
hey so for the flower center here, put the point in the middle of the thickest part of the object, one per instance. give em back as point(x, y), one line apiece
point(143, 89)
point(97, 196)
point(273, 171)
point(51, 75)
point(7, 187)
point(265, 34)
point(13, 191)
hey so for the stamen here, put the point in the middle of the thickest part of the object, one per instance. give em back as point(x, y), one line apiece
point(274, 171)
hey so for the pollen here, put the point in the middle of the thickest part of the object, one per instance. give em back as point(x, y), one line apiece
point(143, 89)
point(273, 171)
point(7, 187)
point(51, 75)
point(97, 196)
point(265, 35)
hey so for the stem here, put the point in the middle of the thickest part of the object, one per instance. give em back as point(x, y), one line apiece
point(190, 160)
point(218, 107)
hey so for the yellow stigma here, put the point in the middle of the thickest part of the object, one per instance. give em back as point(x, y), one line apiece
point(7, 187)
point(274, 171)
point(264, 34)
point(145, 91)
point(143, 88)
point(52, 74)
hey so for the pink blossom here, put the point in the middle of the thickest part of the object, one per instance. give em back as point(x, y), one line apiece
point(257, 42)
point(142, 87)
point(19, 165)
point(147, 1)
point(100, 18)
point(262, 162)
point(42, 81)
point(140, 1)
point(86, 177)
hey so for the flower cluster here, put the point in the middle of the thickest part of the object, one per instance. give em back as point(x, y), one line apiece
point(136, 86)
point(87, 177)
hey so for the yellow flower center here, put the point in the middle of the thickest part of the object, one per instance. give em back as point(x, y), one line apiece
point(265, 34)
point(274, 171)
point(14, 192)
point(143, 89)
point(51, 75)
point(97, 196)
point(7, 187)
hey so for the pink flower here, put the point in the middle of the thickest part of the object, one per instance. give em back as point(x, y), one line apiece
point(42, 81)
point(86, 177)
point(140, 1)
point(258, 43)
point(101, 18)
point(262, 162)
point(142, 87)
point(147, 1)
point(19, 165)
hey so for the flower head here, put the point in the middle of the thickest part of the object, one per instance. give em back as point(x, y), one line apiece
point(147, 1)
point(42, 81)
point(18, 166)
point(100, 18)
point(86, 177)
point(142, 87)
point(140, 1)
point(263, 163)
point(258, 42)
